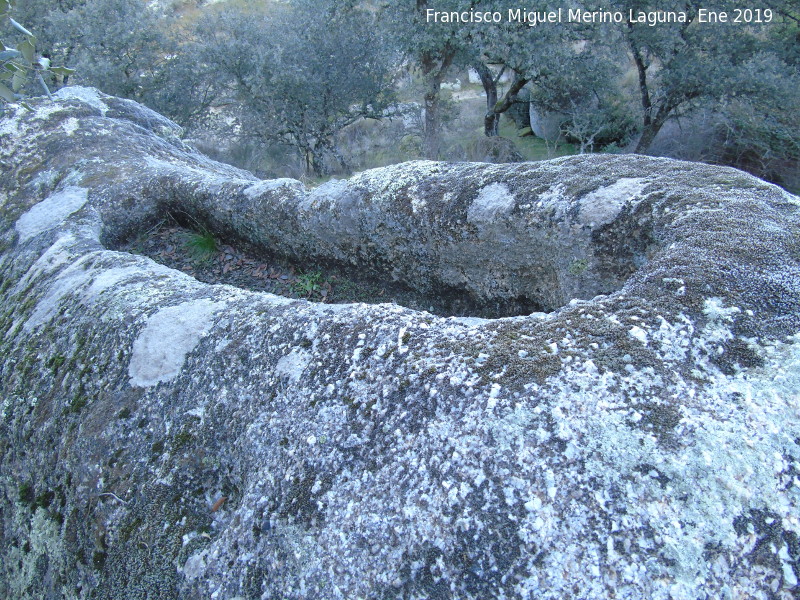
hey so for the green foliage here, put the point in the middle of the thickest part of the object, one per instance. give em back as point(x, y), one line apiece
point(598, 125)
point(201, 246)
point(299, 73)
point(434, 50)
point(55, 363)
point(680, 66)
point(79, 401)
point(308, 284)
point(759, 130)
point(26, 493)
point(18, 64)
point(127, 48)
point(119, 46)
point(291, 78)
point(578, 266)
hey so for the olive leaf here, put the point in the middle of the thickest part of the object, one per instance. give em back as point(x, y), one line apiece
point(9, 54)
point(18, 81)
point(6, 94)
point(20, 28)
point(63, 71)
point(27, 49)
point(16, 64)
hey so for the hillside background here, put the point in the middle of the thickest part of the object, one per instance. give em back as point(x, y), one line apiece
point(321, 88)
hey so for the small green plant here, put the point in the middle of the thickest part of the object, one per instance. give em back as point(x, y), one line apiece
point(45, 499)
point(308, 284)
point(78, 402)
point(578, 267)
point(201, 246)
point(55, 363)
point(26, 493)
point(129, 528)
point(181, 440)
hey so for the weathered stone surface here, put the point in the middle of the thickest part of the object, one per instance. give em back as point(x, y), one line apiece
point(641, 442)
point(546, 125)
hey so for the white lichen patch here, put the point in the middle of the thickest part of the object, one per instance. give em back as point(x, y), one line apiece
point(604, 204)
point(553, 199)
point(271, 185)
point(419, 203)
point(470, 321)
point(10, 125)
point(51, 259)
point(70, 125)
point(293, 364)
point(168, 337)
point(41, 545)
point(715, 310)
point(387, 183)
point(82, 282)
point(71, 279)
point(87, 95)
point(50, 212)
point(324, 196)
point(195, 565)
point(213, 180)
point(494, 201)
point(109, 278)
point(638, 333)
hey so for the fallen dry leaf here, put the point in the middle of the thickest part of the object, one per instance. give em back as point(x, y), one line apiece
point(218, 504)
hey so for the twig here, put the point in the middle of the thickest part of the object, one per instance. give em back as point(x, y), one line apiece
point(155, 227)
point(196, 222)
point(113, 495)
point(44, 85)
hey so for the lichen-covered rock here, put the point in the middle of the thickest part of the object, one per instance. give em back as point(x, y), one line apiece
point(636, 437)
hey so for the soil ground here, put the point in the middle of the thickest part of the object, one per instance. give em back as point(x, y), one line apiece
point(212, 261)
point(215, 262)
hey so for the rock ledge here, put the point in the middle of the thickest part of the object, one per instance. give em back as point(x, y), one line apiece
point(164, 438)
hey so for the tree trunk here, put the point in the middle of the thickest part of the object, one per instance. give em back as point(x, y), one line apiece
point(434, 64)
point(434, 67)
point(314, 158)
point(651, 130)
point(332, 149)
point(432, 139)
point(318, 161)
point(648, 135)
point(651, 125)
point(491, 120)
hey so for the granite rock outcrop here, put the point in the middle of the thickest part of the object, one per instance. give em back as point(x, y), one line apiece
point(637, 435)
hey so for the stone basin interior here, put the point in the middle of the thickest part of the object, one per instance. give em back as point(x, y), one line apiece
point(173, 242)
point(181, 242)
